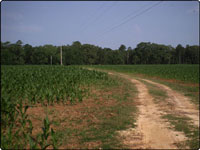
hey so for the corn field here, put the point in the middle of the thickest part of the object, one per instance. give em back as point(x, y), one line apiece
point(24, 86)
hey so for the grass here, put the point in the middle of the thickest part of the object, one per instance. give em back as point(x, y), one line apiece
point(188, 90)
point(116, 117)
point(106, 130)
point(158, 94)
point(184, 72)
point(94, 122)
point(49, 89)
point(179, 123)
point(183, 124)
point(189, 87)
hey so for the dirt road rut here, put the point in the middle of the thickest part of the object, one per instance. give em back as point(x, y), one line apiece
point(181, 104)
point(151, 131)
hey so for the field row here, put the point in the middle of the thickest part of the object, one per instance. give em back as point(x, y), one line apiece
point(23, 87)
point(186, 73)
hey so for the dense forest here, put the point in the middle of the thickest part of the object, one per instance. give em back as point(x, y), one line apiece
point(78, 54)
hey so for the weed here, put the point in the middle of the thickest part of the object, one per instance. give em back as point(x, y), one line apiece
point(183, 124)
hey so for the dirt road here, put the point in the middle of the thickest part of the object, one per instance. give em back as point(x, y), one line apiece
point(181, 104)
point(152, 131)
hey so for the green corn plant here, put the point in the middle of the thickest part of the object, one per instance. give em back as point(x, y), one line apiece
point(42, 138)
point(32, 142)
point(46, 132)
point(22, 111)
point(54, 139)
point(24, 121)
point(7, 139)
point(36, 84)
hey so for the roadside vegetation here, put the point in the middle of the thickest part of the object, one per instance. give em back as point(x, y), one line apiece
point(158, 94)
point(185, 73)
point(178, 121)
point(94, 122)
point(182, 78)
point(190, 90)
point(183, 124)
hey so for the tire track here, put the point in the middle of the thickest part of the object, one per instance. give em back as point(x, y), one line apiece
point(151, 132)
point(180, 103)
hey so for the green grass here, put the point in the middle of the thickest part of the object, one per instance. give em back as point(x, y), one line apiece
point(182, 75)
point(183, 124)
point(186, 73)
point(179, 123)
point(120, 119)
point(26, 86)
point(119, 115)
point(157, 93)
point(190, 91)
point(65, 135)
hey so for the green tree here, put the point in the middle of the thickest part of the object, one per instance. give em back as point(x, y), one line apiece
point(179, 52)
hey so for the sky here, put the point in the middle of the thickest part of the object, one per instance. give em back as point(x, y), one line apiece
point(102, 23)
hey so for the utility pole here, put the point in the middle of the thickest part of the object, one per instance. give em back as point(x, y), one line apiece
point(61, 55)
point(51, 60)
point(127, 57)
point(179, 56)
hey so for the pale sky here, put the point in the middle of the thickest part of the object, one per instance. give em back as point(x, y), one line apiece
point(102, 23)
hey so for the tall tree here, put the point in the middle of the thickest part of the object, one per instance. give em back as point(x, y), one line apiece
point(78, 54)
point(179, 51)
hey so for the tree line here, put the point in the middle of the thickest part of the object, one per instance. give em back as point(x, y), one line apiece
point(87, 54)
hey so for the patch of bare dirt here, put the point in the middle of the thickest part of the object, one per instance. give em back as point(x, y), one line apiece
point(75, 117)
point(180, 103)
point(151, 131)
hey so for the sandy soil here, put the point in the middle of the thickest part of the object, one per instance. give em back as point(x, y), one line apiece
point(181, 104)
point(151, 132)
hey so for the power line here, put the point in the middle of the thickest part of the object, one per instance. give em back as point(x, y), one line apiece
point(135, 11)
point(131, 18)
point(108, 9)
point(92, 15)
point(126, 17)
point(99, 16)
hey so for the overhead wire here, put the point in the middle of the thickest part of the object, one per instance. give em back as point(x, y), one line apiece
point(104, 12)
point(133, 12)
point(90, 18)
point(131, 18)
point(100, 15)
